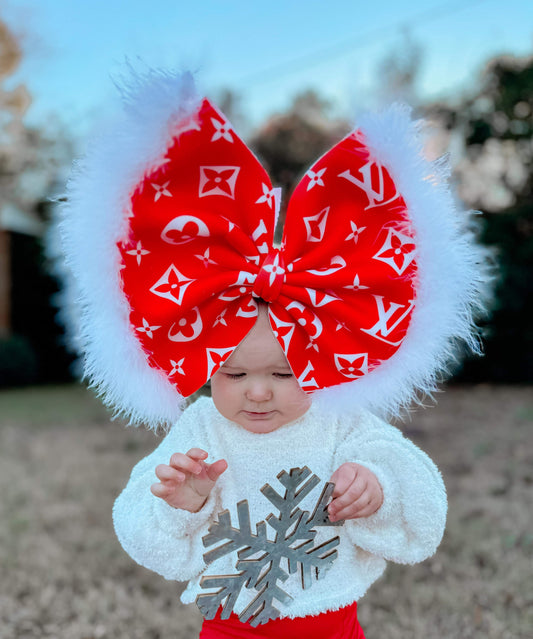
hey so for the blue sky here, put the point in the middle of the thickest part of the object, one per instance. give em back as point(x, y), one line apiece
point(266, 51)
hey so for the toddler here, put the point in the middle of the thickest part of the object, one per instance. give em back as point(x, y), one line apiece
point(258, 422)
point(168, 228)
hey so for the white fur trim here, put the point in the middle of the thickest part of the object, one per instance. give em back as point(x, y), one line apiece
point(68, 311)
point(453, 276)
point(93, 220)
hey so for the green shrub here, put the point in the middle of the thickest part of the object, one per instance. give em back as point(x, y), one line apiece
point(18, 364)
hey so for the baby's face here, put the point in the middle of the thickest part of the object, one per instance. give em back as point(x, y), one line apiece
point(255, 387)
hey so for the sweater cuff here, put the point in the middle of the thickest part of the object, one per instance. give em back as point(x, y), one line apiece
point(180, 523)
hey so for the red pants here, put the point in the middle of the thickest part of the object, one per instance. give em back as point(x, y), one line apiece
point(341, 624)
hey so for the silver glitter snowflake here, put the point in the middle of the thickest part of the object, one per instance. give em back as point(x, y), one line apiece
point(259, 558)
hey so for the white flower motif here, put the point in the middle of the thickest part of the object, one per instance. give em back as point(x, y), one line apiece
point(356, 286)
point(274, 269)
point(177, 367)
point(146, 328)
point(315, 178)
point(161, 189)
point(138, 252)
point(354, 235)
point(268, 196)
point(206, 259)
point(222, 131)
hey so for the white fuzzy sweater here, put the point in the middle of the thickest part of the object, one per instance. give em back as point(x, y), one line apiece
point(406, 529)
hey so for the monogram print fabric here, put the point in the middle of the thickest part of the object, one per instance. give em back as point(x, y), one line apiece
point(199, 251)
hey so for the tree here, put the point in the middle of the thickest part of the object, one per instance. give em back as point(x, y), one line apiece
point(30, 162)
point(493, 128)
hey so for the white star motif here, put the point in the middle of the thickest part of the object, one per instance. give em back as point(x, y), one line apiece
point(354, 235)
point(356, 286)
point(220, 319)
point(315, 178)
point(139, 252)
point(176, 367)
point(268, 196)
point(221, 355)
point(396, 243)
point(222, 131)
point(205, 258)
point(170, 291)
point(161, 189)
point(218, 180)
point(312, 345)
point(146, 328)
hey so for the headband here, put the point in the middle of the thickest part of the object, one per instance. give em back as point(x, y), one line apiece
point(168, 229)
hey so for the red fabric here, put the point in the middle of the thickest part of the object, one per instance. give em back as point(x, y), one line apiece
point(341, 624)
point(199, 248)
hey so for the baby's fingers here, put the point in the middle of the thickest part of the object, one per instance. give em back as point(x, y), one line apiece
point(197, 454)
point(343, 477)
point(363, 507)
point(182, 462)
point(347, 499)
point(159, 490)
point(168, 473)
point(216, 469)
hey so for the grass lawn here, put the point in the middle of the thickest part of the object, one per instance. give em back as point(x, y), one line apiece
point(64, 575)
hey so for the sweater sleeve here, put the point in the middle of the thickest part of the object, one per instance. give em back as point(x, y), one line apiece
point(162, 538)
point(410, 523)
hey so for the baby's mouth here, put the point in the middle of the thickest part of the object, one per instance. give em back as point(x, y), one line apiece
point(254, 413)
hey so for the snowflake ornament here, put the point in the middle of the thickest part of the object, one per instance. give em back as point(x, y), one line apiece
point(259, 558)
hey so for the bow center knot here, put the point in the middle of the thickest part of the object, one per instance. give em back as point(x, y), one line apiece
point(271, 277)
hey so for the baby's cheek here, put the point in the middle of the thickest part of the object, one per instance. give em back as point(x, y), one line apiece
point(297, 396)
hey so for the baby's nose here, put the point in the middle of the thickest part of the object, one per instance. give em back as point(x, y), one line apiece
point(259, 391)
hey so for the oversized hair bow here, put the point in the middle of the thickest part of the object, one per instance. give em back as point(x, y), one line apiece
point(169, 230)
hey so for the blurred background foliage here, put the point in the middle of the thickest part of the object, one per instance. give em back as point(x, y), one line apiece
point(488, 133)
point(492, 132)
point(32, 164)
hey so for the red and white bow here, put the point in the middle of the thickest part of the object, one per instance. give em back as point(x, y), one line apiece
point(199, 248)
point(168, 229)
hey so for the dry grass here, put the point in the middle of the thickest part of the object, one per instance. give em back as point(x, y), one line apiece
point(64, 575)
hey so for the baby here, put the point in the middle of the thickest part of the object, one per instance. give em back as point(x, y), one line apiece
point(259, 422)
point(171, 257)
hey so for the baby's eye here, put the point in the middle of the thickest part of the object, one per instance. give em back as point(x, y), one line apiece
point(234, 375)
point(283, 375)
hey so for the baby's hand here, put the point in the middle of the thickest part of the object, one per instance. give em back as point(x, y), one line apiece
point(187, 481)
point(357, 493)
